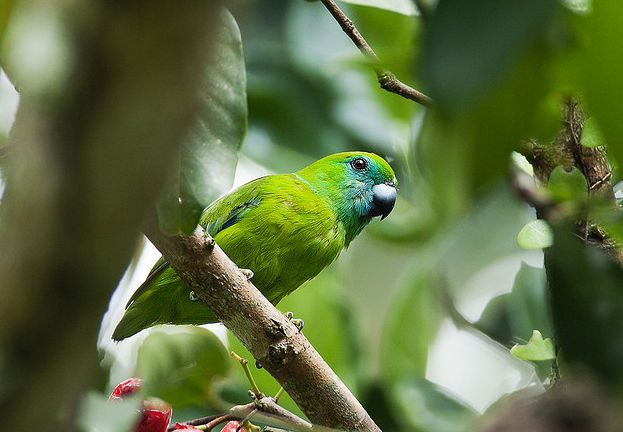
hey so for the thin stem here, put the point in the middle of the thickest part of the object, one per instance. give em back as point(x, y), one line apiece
point(245, 366)
point(278, 395)
point(217, 421)
point(198, 421)
point(387, 79)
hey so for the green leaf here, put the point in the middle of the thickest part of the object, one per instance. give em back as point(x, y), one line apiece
point(592, 136)
point(5, 13)
point(537, 348)
point(427, 407)
point(403, 7)
point(180, 367)
point(535, 235)
point(517, 313)
point(602, 70)
point(98, 414)
point(205, 166)
point(403, 352)
point(453, 65)
point(474, 144)
point(587, 306)
point(568, 185)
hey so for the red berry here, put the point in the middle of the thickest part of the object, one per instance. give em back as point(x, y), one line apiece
point(232, 426)
point(156, 416)
point(126, 388)
point(186, 428)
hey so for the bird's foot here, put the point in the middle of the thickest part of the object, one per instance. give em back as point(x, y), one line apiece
point(210, 243)
point(299, 323)
point(247, 273)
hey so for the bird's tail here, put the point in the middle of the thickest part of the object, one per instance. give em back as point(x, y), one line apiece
point(162, 299)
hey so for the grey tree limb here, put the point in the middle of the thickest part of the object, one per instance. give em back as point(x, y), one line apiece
point(271, 338)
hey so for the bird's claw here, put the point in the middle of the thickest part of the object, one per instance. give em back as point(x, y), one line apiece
point(298, 323)
point(209, 241)
point(247, 273)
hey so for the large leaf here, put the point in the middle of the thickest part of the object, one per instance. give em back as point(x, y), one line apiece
point(511, 317)
point(471, 44)
point(180, 367)
point(205, 166)
point(592, 136)
point(514, 315)
point(460, 151)
point(568, 185)
point(429, 408)
point(5, 12)
point(405, 352)
point(587, 306)
point(98, 414)
point(603, 68)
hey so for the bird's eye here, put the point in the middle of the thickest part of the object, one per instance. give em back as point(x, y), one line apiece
point(359, 164)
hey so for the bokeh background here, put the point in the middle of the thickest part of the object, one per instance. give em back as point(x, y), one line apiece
point(418, 316)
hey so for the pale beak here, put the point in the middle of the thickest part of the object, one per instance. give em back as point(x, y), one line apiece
point(383, 199)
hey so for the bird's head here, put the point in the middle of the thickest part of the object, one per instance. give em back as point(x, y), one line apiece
point(359, 185)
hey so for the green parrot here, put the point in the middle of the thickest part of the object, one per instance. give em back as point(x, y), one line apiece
point(286, 228)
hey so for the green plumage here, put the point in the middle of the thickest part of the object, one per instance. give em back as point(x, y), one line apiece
point(286, 228)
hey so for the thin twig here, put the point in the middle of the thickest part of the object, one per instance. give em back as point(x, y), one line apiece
point(525, 188)
point(217, 421)
point(197, 421)
point(387, 80)
point(245, 367)
point(265, 409)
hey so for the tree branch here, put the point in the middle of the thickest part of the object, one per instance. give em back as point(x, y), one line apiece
point(567, 151)
point(270, 337)
point(387, 79)
point(265, 410)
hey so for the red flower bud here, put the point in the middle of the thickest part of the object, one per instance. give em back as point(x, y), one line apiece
point(126, 388)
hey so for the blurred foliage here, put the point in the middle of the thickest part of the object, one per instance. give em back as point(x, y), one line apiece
point(204, 168)
point(568, 185)
point(458, 247)
point(5, 13)
point(601, 69)
point(427, 407)
point(182, 368)
point(587, 307)
point(98, 414)
point(536, 234)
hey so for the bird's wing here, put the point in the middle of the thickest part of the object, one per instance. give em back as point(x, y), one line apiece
point(156, 270)
point(230, 209)
point(163, 297)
